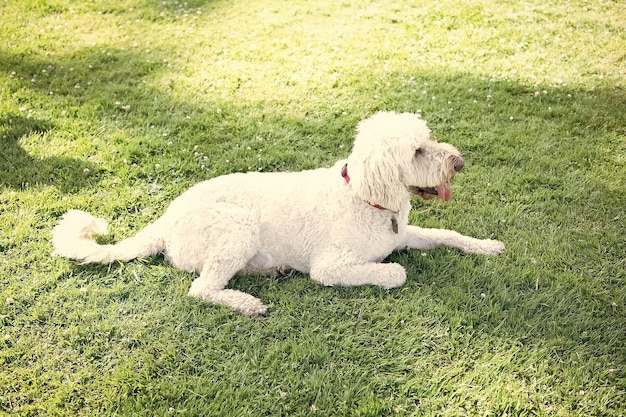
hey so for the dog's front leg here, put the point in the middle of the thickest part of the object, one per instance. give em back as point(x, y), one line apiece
point(389, 275)
point(419, 238)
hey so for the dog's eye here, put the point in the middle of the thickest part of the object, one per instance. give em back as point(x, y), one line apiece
point(418, 152)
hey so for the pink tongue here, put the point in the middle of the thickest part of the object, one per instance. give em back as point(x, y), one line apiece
point(444, 191)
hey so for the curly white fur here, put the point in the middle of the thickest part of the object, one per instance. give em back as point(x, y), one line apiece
point(335, 224)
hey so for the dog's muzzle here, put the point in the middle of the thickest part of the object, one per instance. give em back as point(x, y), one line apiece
point(442, 190)
point(458, 164)
point(427, 193)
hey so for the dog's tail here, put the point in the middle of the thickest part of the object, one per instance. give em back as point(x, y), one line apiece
point(73, 238)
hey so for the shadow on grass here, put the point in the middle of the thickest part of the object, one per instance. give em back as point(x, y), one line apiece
point(111, 86)
point(19, 169)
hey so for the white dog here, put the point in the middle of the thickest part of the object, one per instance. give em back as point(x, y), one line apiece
point(336, 224)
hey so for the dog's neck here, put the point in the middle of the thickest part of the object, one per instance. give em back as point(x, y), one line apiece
point(346, 177)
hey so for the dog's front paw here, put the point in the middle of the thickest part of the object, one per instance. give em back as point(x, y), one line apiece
point(487, 247)
point(394, 277)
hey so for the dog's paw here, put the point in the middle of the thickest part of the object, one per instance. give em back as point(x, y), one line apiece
point(240, 301)
point(199, 290)
point(244, 303)
point(394, 276)
point(252, 308)
point(487, 247)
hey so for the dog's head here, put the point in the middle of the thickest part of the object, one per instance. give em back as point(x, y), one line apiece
point(394, 154)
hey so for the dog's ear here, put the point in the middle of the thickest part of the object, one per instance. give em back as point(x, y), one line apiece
point(375, 177)
point(382, 154)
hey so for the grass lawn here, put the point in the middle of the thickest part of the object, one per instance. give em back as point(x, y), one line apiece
point(117, 106)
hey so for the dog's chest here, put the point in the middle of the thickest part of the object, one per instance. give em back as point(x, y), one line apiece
point(388, 226)
point(384, 232)
point(394, 224)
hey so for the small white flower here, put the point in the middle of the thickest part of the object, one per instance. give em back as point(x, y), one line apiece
point(10, 300)
point(157, 166)
point(86, 170)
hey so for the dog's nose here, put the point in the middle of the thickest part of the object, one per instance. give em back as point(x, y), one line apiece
point(459, 163)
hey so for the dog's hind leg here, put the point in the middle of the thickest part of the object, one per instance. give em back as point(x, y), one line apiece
point(232, 248)
point(210, 286)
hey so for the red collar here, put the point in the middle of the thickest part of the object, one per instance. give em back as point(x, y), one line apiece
point(344, 174)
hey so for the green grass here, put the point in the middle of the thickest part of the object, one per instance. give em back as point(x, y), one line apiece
point(116, 107)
